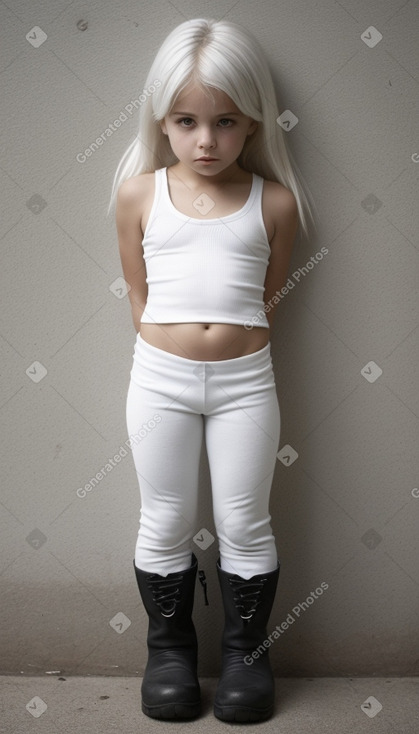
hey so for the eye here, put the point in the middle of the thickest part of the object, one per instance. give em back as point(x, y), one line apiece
point(184, 119)
point(188, 122)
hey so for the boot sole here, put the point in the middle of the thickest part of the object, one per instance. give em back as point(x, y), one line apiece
point(172, 710)
point(243, 715)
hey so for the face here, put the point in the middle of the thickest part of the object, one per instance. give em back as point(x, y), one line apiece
point(198, 126)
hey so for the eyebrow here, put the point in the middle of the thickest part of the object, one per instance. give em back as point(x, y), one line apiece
point(190, 114)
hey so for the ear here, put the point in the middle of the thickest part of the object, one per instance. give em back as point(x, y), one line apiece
point(163, 126)
point(252, 127)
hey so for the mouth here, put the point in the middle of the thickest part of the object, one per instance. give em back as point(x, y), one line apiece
point(206, 158)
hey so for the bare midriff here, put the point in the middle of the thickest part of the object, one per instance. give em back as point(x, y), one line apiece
point(205, 342)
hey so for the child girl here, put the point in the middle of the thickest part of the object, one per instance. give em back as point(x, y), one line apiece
point(207, 209)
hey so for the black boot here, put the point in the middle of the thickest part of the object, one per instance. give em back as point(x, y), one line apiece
point(170, 688)
point(246, 689)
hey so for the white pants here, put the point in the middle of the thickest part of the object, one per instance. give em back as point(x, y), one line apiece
point(172, 403)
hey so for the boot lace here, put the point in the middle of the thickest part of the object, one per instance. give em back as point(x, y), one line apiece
point(246, 594)
point(166, 593)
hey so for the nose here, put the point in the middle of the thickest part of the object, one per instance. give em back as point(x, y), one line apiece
point(206, 137)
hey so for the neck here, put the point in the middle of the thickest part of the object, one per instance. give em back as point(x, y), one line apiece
point(195, 180)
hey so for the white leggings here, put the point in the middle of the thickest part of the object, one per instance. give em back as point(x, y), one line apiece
point(172, 403)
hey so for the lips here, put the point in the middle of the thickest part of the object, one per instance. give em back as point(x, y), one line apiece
point(203, 158)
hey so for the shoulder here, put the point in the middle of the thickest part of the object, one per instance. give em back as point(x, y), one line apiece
point(280, 207)
point(280, 200)
point(135, 188)
point(133, 198)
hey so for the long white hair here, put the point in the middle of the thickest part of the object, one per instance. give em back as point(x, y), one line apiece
point(225, 56)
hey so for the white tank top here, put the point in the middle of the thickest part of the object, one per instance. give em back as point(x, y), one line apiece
point(205, 270)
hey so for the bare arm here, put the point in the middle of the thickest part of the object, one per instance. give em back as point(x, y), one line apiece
point(130, 239)
point(285, 216)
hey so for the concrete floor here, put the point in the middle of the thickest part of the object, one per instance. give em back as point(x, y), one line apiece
point(54, 704)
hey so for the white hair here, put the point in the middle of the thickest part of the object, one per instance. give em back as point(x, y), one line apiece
point(224, 56)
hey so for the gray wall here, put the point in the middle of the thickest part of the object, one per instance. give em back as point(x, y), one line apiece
point(345, 342)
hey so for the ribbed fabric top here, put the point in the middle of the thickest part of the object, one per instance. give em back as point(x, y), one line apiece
point(205, 270)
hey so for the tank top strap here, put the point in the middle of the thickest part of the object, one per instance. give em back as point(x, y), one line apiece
point(159, 183)
point(163, 188)
point(155, 207)
point(256, 194)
